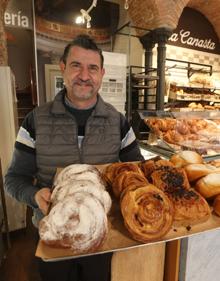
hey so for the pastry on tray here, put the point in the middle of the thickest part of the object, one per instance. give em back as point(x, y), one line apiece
point(189, 206)
point(78, 213)
point(127, 179)
point(201, 135)
point(114, 169)
point(147, 212)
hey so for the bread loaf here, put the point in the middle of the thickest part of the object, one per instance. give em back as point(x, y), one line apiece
point(209, 185)
point(196, 171)
point(186, 157)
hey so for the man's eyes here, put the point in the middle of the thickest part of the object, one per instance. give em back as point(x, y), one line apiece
point(75, 65)
point(91, 68)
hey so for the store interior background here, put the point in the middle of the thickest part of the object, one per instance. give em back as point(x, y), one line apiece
point(42, 41)
point(37, 31)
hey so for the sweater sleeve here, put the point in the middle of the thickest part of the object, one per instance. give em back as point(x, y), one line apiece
point(19, 179)
point(130, 150)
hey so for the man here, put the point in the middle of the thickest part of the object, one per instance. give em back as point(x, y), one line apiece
point(77, 127)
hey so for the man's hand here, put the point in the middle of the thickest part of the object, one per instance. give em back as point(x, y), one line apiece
point(42, 198)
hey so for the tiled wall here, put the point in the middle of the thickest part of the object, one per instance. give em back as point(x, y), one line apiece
point(194, 56)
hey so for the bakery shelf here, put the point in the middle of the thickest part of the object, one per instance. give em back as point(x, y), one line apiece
point(143, 76)
point(143, 87)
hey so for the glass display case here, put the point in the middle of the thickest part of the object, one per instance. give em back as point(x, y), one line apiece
point(174, 131)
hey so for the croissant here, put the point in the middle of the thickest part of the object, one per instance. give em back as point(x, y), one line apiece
point(126, 179)
point(147, 212)
point(182, 127)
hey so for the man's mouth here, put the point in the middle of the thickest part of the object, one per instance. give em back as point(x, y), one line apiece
point(83, 84)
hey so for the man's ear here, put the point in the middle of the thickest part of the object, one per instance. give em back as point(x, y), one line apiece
point(103, 71)
point(62, 66)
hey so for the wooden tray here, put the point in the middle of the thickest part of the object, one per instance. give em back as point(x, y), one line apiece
point(119, 239)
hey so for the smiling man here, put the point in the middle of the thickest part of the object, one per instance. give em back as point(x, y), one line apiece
point(76, 127)
point(82, 72)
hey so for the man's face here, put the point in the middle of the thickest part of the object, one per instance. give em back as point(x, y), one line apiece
point(82, 74)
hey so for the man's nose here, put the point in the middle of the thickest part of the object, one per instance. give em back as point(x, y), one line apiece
point(84, 73)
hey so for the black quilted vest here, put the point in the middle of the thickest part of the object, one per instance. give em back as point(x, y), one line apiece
point(57, 137)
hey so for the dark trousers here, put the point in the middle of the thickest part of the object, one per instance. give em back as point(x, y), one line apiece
point(90, 268)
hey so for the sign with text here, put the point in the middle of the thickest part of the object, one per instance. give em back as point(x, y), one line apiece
point(194, 31)
point(19, 14)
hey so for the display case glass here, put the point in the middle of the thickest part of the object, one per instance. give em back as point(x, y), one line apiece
point(198, 131)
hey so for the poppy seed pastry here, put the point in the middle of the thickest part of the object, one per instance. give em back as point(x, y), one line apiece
point(189, 206)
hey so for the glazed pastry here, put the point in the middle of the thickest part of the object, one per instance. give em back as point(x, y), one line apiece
point(147, 212)
point(149, 166)
point(189, 206)
point(169, 178)
point(126, 179)
point(173, 136)
point(108, 173)
point(112, 170)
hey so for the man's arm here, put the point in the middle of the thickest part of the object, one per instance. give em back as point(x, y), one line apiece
point(19, 179)
point(130, 150)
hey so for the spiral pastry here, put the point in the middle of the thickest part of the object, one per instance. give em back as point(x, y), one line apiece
point(79, 223)
point(126, 179)
point(116, 168)
point(147, 212)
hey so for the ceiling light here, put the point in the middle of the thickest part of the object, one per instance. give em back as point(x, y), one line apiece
point(126, 5)
point(79, 20)
point(85, 17)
